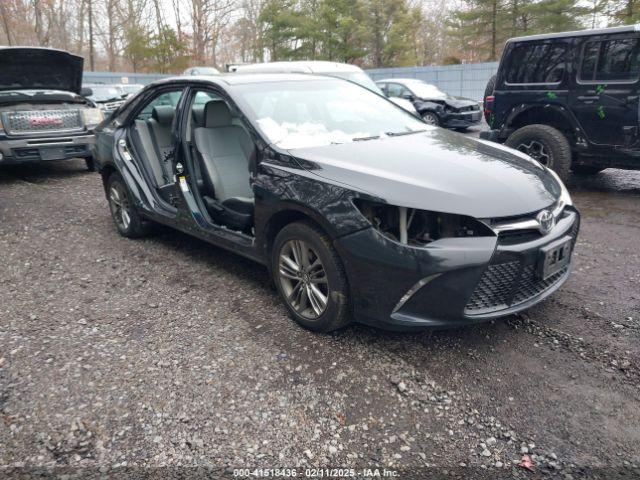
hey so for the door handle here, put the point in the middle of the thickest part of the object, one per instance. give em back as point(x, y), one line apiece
point(583, 98)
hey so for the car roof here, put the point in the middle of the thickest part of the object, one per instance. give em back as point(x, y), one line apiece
point(577, 33)
point(241, 79)
point(301, 66)
point(402, 80)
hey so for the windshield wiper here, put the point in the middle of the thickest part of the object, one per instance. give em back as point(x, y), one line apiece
point(399, 134)
point(361, 139)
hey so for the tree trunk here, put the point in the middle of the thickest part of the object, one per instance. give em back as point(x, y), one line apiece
point(494, 26)
point(6, 23)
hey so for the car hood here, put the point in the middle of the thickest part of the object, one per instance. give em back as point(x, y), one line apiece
point(40, 69)
point(459, 102)
point(437, 170)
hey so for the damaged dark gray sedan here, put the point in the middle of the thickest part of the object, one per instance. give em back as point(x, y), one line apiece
point(359, 210)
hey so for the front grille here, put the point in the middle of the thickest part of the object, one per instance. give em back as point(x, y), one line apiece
point(532, 286)
point(494, 287)
point(502, 286)
point(42, 121)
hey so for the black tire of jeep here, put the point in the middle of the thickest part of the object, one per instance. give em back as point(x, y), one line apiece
point(136, 226)
point(491, 86)
point(555, 143)
point(90, 163)
point(586, 170)
point(336, 314)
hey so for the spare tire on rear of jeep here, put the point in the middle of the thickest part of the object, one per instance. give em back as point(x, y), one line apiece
point(491, 86)
point(545, 144)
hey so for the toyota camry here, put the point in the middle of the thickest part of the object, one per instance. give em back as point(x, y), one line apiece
point(359, 210)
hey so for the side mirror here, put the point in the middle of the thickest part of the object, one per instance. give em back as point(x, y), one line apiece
point(86, 92)
point(408, 96)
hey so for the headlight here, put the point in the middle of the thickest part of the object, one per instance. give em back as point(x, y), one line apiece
point(565, 198)
point(419, 227)
point(92, 116)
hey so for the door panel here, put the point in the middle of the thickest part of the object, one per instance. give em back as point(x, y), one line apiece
point(605, 98)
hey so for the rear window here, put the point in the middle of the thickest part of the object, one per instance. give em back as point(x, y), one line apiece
point(536, 63)
point(610, 60)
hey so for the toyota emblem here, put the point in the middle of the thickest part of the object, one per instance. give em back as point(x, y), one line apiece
point(546, 221)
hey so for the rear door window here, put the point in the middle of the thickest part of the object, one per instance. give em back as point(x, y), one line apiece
point(541, 63)
point(167, 98)
point(611, 60)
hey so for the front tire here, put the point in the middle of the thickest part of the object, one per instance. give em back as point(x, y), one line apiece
point(310, 278)
point(431, 118)
point(123, 212)
point(90, 163)
point(545, 144)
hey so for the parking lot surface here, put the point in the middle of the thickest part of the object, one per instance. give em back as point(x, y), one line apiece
point(168, 351)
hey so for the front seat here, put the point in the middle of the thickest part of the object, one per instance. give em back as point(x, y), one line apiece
point(224, 150)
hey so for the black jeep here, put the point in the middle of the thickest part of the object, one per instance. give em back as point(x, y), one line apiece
point(570, 100)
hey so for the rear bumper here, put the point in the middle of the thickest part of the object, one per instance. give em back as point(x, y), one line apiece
point(24, 150)
point(451, 282)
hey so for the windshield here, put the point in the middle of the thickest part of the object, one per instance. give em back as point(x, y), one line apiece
point(425, 90)
point(360, 78)
point(103, 94)
point(127, 89)
point(317, 113)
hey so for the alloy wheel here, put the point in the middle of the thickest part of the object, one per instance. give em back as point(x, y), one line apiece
point(119, 204)
point(430, 119)
point(536, 150)
point(303, 279)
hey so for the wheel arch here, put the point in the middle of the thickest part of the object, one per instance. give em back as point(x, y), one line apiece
point(552, 115)
point(287, 214)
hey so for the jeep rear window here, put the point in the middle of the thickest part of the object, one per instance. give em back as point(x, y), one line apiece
point(536, 63)
point(609, 60)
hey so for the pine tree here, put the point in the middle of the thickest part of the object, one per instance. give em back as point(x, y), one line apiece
point(482, 25)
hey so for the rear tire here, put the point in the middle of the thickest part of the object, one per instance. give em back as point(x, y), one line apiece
point(545, 144)
point(310, 278)
point(489, 89)
point(586, 170)
point(123, 212)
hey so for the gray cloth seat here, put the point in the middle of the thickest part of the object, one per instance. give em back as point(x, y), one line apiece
point(224, 150)
point(154, 135)
point(160, 125)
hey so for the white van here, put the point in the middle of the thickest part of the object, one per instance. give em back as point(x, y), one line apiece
point(331, 69)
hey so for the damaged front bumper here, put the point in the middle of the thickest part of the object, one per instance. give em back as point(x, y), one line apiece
point(450, 282)
point(461, 119)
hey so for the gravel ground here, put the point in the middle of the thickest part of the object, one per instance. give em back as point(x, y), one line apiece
point(119, 354)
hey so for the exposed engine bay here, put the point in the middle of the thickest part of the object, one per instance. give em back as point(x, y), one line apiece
point(419, 227)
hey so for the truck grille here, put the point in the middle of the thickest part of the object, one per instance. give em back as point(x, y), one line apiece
point(502, 287)
point(41, 121)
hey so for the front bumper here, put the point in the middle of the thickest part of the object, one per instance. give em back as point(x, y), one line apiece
point(449, 283)
point(24, 150)
point(462, 119)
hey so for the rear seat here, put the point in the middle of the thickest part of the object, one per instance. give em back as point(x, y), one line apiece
point(155, 136)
